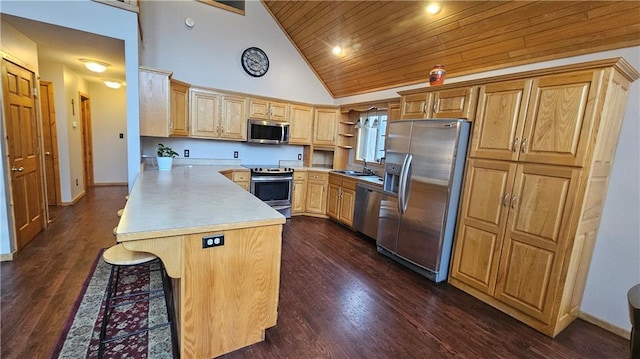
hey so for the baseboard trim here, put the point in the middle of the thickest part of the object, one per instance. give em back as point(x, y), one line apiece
point(605, 325)
point(110, 184)
point(6, 257)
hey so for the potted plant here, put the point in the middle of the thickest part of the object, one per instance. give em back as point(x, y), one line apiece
point(165, 157)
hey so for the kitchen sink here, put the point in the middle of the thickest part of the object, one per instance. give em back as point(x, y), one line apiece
point(351, 173)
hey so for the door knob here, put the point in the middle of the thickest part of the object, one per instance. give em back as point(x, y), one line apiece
point(47, 153)
point(17, 169)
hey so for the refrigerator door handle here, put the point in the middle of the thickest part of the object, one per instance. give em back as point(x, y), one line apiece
point(402, 190)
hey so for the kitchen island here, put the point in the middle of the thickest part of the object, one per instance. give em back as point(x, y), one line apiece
point(226, 294)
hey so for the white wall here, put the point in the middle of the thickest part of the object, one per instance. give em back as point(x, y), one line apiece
point(54, 73)
point(73, 85)
point(209, 54)
point(248, 153)
point(108, 121)
point(615, 266)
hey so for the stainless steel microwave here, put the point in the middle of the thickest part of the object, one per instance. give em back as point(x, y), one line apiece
point(270, 132)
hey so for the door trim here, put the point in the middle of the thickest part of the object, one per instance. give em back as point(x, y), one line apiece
point(54, 142)
point(87, 139)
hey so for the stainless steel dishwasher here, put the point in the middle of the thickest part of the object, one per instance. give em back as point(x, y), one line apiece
point(365, 217)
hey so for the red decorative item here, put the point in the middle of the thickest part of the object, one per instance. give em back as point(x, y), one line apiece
point(437, 75)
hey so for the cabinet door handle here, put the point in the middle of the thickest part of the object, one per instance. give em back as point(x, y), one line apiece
point(17, 169)
point(515, 144)
point(435, 106)
point(424, 108)
point(523, 146)
point(505, 200)
point(514, 201)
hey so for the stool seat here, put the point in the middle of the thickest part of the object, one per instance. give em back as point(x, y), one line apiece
point(115, 231)
point(118, 255)
point(119, 213)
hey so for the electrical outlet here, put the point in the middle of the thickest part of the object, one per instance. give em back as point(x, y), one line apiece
point(186, 153)
point(235, 154)
point(213, 241)
point(299, 156)
point(121, 135)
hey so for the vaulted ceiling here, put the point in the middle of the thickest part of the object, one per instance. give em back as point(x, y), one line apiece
point(388, 44)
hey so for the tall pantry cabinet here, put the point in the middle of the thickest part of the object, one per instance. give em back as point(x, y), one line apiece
point(539, 164)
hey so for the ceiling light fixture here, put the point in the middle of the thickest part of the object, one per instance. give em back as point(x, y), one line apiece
point(337, 50)
point(113, 84)
point(95, 66)
point(434, 8)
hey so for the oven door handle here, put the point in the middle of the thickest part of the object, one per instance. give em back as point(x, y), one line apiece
point(271, 179)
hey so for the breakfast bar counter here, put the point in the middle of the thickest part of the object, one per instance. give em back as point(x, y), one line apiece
point(220, 244)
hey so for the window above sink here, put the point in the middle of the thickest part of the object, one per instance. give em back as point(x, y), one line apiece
point(372, 128)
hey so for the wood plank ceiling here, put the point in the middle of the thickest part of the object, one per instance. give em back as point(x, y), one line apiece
point(394, 43)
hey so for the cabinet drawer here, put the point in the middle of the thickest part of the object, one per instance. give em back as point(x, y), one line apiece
point(318, 176)
point(241, 176)
point(299, 176)
point(349, 183)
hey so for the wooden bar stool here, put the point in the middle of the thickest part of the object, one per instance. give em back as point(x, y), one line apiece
point(119, 213)
point(120, 258)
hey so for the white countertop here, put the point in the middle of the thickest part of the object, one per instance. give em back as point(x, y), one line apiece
point(190, 199)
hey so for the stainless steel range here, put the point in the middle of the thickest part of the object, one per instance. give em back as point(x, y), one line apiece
point(273, 185)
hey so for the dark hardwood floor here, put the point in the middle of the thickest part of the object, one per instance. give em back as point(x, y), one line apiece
point(338, 299)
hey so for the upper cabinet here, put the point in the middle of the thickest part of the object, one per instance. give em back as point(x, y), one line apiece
point(164, 104)
point(325, 127)
point(541, 120)
point(268, 110)
point(218, 116)
point(449, 103)
point(301, 124)
point(179, 107)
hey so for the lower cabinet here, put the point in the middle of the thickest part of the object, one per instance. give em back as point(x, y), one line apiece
point(341, 199)
point(512, 236)
point(299, 193)
point(317, 192)
point(240, 177)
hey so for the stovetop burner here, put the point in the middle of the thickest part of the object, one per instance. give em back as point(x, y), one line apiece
point(269, 169)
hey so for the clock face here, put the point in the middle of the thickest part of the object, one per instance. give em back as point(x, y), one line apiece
point(255, 62)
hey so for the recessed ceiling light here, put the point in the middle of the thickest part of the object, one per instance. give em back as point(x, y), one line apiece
point(337, 50)
point(434, 8)
point(95, 66)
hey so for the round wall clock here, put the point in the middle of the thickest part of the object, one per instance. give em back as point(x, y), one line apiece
point(255, 61)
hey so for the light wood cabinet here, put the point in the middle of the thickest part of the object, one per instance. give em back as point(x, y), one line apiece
point(233, 121)
point(317, 192)
point(541, 120)
point(179, 107)
point(541, 156)
point(164, 104)
point(218, 116)
point(240, 177)
point(325, 126)
point(300, 124)
point(449, 103)
point(268, 110)
point(341, 199)
point(299, 193)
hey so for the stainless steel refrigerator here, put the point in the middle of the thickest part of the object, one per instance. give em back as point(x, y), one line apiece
point(421, 190)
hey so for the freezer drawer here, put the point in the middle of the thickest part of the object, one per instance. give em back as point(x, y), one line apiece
point(367, 208)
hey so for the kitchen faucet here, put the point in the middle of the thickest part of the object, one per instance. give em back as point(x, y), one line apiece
point(366, 170)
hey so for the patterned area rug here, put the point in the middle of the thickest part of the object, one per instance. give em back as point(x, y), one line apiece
point(79, 338)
